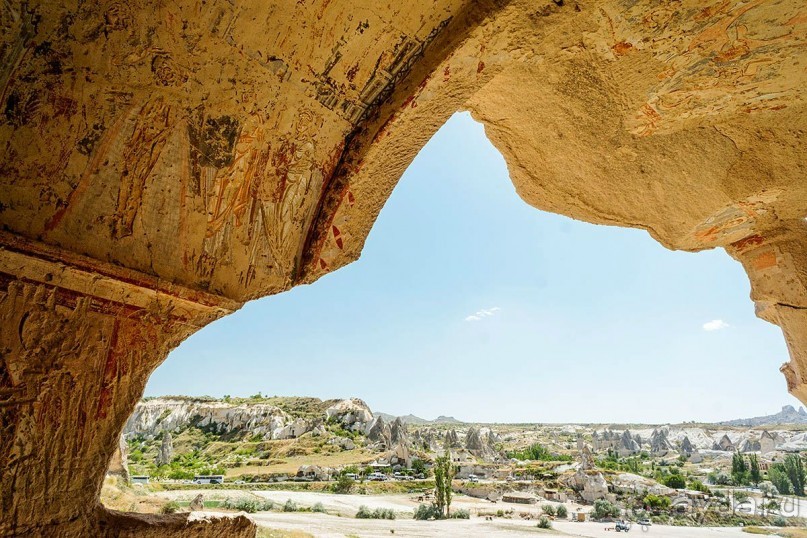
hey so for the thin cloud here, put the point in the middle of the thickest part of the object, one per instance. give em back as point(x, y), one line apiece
point(715, 325)
point(484, 313)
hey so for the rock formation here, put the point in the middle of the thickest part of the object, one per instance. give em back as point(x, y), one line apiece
point(750, 445)
point(118, 464)
point(686, 447)
point(398, 433)
point(164, 162)
point(481, 443)
point(352, 414)
point(452, 440)
point(166, 453)
point(165, 414)
point(590, 486)
point(628, 445)
point(767, 442)
point(473, 440)
point(659, 444)
point(725, 444)
point(198, 503)
point(379, 433)
point(586, 458)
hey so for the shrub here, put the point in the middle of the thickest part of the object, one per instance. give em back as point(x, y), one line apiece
point(768, 489)
point(383, 513)
point(290, 506)
point(378, 513)
point(249, 506)
point(170, 507)
point(428, 511)
point(343, 484)
point(544, 523)
point(548, 509)
point(460, 514)
point(604, 509)
point(537, 452)
point(675, 481)
point(780, 521)
point(499, 513)
point(562, 512)
point(318, 507)
point(656, 502)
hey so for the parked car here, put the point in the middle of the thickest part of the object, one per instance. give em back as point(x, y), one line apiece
point(622, 526)
point(473, 478)
point(378, 477)
point(352, 476)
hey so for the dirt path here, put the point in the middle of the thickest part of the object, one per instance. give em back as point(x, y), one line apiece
point(327, 526)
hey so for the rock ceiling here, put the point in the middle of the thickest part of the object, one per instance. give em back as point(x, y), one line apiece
point(163, 162)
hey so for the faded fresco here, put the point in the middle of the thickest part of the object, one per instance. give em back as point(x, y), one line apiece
point(190, 143)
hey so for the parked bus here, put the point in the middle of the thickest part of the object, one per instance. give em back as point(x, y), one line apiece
point(140, 479)
point(209, 479)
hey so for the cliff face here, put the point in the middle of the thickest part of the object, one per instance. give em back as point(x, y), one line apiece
point(248, 419)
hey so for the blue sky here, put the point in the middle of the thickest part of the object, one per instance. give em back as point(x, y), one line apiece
point(468, 302)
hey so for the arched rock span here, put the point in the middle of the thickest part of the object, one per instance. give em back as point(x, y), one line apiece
point(165, 162)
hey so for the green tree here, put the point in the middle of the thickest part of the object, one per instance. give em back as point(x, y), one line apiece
point(675, 481)
point(794, 468)
point(419, 467)
point(656, 502)
point(754, 474)
point(443, 475)
point(697, 485)
point(778, 477)
point(343, 484)
point(538, 452)
point(739, 469)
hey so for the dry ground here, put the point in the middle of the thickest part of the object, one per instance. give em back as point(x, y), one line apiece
point(328, 526)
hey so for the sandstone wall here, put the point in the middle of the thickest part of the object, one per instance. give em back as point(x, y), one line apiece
point(163, 162)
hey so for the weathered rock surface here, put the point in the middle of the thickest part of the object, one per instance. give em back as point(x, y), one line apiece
point(628, 444)
point(119, 464)
point(398, 432)
point(591, 486)
point(686, 447)
point(352, 414)
point(198, 503)
point(659, 444)
point(379, 432)
point(165, 415)
point(112, 524)
point(452, 440)
point(166, 161)
point(481, 443)
point(166, 453)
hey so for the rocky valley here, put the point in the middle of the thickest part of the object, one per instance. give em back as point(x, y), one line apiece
point(262, 439)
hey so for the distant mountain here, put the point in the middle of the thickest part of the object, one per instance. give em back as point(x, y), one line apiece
point(442, 419)
point(417, 421)
point(788, 415)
